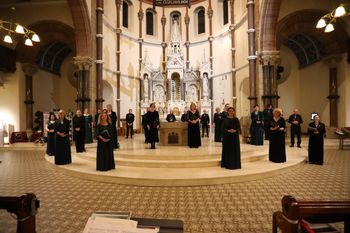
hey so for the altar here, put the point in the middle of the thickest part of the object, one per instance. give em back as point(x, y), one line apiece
point(181, 84)
point(173, 133)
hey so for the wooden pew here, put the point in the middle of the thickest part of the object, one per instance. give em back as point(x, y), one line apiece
point(25, 208)
point(293, 212)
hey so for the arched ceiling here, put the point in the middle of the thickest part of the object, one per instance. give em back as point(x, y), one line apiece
point(52, 55)
point(297, 31)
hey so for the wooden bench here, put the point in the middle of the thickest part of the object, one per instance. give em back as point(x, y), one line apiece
point(25, 208)
point(294, 212)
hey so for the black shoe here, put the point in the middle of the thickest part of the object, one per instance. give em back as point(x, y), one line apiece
point(299, 146)
point(291, 146)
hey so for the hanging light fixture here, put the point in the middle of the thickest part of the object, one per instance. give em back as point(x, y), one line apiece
point(329, 28)
point(18, 29)
point(327, 21)
point(340, 11)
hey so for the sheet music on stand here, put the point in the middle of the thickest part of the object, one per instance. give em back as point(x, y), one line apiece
point(115, 222)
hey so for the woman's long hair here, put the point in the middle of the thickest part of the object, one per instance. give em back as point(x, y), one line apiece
point(104, 111)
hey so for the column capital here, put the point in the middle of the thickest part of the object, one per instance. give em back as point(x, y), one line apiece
point(333, 61)
point(118, 3)
point(29, 69)
point(270, 59)
point(83, 62)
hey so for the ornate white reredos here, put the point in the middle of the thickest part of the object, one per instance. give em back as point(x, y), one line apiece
point(178, 86)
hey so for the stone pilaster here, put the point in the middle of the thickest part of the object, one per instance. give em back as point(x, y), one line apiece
point(29, 70)
point(84, 64)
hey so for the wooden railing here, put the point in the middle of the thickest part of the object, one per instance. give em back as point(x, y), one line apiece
point(294, 212)
point(25, 208)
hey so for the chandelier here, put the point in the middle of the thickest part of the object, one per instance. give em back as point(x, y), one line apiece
point(15, 28)
point(329, 19)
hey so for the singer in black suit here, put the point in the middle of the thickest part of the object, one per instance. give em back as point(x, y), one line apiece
point(295, 130)
point(268, 116)
point(171, 117)
point(79, 131)
point(316, 133)
point(205, 120)
point(257, 126)
point(129, 118)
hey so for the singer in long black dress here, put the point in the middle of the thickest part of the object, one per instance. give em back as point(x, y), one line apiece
point(113, 116)
point(104, 156)
point(316, 132)
point(51, 135)
point(193, 134)
point(152, 121)
point(79, 131)
point(218, 128)
point(231, 152)
point(277, 146)
point(62, 145)
point(257, 127)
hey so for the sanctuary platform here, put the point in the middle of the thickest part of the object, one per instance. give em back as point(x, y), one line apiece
point(136, 164)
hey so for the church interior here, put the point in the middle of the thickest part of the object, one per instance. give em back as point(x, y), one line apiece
point(86, 54)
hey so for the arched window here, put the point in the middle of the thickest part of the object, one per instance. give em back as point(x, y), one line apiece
point(201, 21)
point(225, 11)
point(125, 14)
point(149, 23)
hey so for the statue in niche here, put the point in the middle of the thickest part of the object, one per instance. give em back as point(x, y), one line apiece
point(192, 93)
point(145, 85)
point(158, 94)
point(205, 82)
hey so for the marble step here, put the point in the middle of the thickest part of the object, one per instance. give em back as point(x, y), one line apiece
point(145, 176)
point(212, 160)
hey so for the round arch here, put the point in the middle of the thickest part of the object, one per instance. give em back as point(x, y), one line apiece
point(81, 21)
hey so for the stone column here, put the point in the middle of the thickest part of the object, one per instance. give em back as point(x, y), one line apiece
point(252, 56)
point(99, 54)
point(232, 29)
point(29, 70)
point(210, 39)
point(84, 64)
point(164, 44)
point(333, 90)
point(118, 32)
point(140, 16)
point(187, 43)
point(270, 87)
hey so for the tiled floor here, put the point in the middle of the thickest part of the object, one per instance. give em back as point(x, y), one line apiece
point(67, 202)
